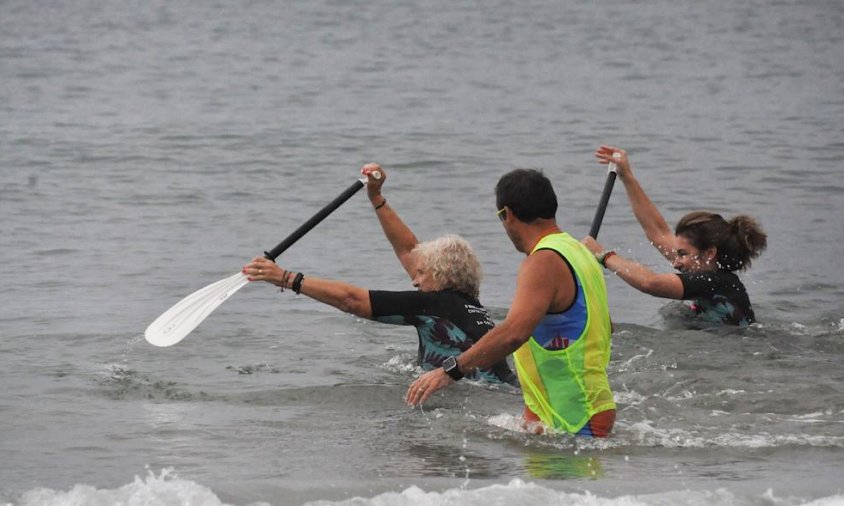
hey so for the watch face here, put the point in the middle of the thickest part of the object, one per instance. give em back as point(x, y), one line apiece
point(451, 368)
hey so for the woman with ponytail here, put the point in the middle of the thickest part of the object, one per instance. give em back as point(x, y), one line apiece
point(705, 248)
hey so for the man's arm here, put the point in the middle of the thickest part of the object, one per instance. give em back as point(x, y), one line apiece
point(536, 287)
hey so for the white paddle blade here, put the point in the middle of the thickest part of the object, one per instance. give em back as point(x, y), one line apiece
point(180, 320)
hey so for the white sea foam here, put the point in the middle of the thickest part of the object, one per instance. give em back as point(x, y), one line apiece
point(403, 363)
point(644, 434)
point(816, 417)
point(520, 492)
point(507, 422)
point(167, 489)
point(628, 397)
point(627, 364)
point(798, 329)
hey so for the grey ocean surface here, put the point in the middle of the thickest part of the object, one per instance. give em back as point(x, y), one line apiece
point(148, 149)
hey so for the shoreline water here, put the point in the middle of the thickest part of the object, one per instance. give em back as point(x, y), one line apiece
point(147, 150)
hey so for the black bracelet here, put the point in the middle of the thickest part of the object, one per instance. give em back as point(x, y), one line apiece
point(297, 282)
point(382, 204)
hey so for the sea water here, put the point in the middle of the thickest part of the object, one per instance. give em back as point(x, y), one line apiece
point(148, 149)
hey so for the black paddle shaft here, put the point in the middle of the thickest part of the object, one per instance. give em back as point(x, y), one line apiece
point(602, 205)
point(314, 221)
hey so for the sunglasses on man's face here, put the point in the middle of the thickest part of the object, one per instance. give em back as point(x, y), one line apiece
point(502, 214)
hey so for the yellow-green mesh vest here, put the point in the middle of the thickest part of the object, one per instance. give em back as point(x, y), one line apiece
point(565, 388)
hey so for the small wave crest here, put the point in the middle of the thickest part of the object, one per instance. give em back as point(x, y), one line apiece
point(153, 490)
point(404, 364)
point(167, 489)
point(520, 492)
point(123, 383)
point(645, 434)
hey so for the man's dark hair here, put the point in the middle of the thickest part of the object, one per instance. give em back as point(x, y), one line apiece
point(527, 193)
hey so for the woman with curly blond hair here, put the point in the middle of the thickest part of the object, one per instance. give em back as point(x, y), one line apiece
point(444, 308)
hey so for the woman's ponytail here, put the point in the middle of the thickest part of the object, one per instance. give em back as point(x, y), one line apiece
point(738, 241)
point(748, 240)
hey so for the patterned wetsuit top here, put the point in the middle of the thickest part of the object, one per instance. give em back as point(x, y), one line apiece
point(447, 322)
point(718, 297)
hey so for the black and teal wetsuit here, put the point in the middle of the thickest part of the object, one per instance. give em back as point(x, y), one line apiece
point(447, 322)
point(718, 297)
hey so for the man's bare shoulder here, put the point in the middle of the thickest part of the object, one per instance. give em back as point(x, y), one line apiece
point(544, 265)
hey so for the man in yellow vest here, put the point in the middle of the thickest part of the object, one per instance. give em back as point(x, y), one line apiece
point(558, 326)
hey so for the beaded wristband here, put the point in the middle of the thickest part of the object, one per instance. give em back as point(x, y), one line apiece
point(283, 275)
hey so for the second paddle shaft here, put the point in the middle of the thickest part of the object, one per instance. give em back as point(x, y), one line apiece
point(612, 171)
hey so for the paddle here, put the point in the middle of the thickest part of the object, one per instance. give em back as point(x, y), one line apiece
point(612, 171)
point(178, 321)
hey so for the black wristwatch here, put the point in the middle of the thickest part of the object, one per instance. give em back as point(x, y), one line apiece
point(452, 369)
